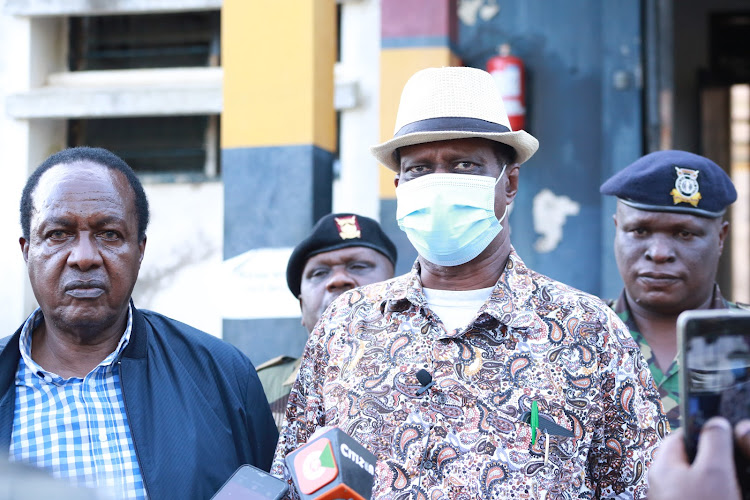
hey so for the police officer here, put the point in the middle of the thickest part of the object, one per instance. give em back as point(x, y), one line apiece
point(342, 252)
point(669, 235)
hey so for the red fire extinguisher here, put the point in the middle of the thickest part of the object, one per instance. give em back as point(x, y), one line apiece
point(510, 77)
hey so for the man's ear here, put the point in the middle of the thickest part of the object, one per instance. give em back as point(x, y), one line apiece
point(302, 319)
point(511, 186)
point(142, 248)
point(24, 248)
point(723, 231)
point(395, 180)
point(614, 219)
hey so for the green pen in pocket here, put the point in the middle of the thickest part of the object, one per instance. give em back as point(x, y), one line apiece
point(543, 424)
point(534, 421)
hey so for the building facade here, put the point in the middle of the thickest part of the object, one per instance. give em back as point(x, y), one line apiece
point(249, 119)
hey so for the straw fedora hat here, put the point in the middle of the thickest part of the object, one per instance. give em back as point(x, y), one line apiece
point(439, 104)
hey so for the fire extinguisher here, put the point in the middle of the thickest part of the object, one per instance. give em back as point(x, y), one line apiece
point(510, 77)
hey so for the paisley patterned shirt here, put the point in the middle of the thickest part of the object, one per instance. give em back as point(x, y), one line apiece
point(468, 437)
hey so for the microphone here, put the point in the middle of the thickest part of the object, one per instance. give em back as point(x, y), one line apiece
point(425, 379)
point(332, 466)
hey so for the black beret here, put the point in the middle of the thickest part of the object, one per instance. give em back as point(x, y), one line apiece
point(333, 232)
point(673, 181)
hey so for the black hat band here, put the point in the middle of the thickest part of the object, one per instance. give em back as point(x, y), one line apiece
point(453, 124)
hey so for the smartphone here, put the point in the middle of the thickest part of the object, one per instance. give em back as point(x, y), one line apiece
point(251, 483)
point(715, 375)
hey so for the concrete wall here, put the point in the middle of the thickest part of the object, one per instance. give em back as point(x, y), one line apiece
point(99, 7)
point(355, 188)
point(181, 272)
point(31, 51)
point(14, 76)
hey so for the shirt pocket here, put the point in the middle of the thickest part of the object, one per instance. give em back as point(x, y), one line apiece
point(552, 443)
point(507, 417)
point(552, 467)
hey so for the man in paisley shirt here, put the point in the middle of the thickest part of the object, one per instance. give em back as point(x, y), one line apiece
point(669, 235)
point(539, 391)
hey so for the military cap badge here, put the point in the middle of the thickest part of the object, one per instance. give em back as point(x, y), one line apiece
point(348, 227)
point(686, 187)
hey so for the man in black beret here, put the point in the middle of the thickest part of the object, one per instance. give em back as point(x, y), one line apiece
point(669, 236)
point(342, 252)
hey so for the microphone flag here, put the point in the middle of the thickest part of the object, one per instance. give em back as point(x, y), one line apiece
point(317, 466)
point(332, 466)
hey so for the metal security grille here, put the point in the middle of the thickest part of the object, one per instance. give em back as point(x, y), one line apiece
point(167, 147)
point(155, 145)
point(144, 41)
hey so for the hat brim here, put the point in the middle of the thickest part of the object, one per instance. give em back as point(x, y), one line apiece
point(678, 209)
point(524, 143)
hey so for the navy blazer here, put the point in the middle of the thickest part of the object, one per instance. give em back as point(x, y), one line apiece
point(195, 406)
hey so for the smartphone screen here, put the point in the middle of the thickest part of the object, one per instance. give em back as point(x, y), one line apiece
point(251, 483)
point(715, 374)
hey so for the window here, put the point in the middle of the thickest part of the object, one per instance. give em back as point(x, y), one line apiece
point(168, 145)
point(184, 147)
point(144, 41)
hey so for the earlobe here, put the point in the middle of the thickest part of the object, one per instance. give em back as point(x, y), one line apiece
point(24, 248)
point(302, 319)
point(511, 186)
point(142, 248)
point(395, 181)
point(723, 231)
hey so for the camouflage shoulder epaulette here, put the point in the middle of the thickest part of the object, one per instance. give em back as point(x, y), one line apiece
point(274, 361)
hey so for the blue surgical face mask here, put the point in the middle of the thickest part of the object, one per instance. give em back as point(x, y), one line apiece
point(449, 218)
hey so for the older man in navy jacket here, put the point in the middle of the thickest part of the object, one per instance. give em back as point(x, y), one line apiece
point(95, 390)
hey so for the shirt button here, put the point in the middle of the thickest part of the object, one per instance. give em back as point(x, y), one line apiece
point(441, 399)
point(427, 465)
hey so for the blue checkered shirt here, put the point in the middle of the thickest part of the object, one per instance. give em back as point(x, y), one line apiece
point(76, 428)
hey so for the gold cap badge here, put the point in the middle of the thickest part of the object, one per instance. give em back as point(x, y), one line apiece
point(348, 227)
point(686, 187)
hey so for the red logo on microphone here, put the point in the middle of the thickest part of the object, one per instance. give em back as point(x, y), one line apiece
point(315, 466)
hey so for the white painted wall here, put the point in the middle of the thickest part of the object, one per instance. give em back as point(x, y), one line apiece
point(99, 7)
point(29, 50)
point(14, 77)
point(181, 272)
point(134, 92)
point(357, 189)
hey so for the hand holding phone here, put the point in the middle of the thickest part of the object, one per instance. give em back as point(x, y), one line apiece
point(711, 475)
point(715, 376)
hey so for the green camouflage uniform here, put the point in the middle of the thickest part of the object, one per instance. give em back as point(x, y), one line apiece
point(277, 376)
point(666, 381)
